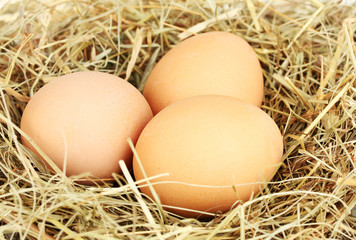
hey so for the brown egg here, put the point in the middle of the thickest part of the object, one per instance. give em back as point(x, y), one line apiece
point(217, 150)
point(214, 63)
point(93, 114)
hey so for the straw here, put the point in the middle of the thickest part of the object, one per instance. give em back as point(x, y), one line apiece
point(308, 54)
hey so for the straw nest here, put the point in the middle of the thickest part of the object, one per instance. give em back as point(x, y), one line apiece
point(307, 50)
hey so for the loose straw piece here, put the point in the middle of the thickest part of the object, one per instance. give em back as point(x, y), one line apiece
point(139, 198)
point(135, 51)
point(113, 191)
point(346, 181)
point(203, 25)
point(252, 9)
point(306, 25)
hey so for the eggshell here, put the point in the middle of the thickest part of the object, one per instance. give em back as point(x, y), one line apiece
point(214, 63)
point(93, 113)
point(218, 141)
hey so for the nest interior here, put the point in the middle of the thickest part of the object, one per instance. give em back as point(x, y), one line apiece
point(307, 51)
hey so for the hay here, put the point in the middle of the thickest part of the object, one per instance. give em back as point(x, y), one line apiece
point(307, 50)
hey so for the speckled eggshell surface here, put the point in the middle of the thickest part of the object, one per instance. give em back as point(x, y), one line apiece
point(91, 114)
point(214, 63)
point(215, 141)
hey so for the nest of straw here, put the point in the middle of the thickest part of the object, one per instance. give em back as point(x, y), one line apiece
point(307, 51)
